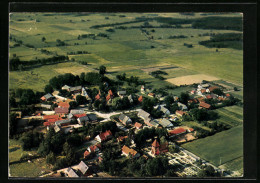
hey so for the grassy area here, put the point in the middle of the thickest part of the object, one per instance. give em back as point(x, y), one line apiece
point(234, 165)
point(232, 115)
point(226, 145)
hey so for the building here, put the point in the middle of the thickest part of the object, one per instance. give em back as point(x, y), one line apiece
point(92, 117)
point(84, 169)
point(151, 95)
point(75, 89)
point(47, 97)
point(165, 111)
point(165, 123)
point(84, 93)
point(121, 93)
point(103, 136)
point(63, 122)
point(57, 128)
point(83, 120)
point(124, 119)
point(130, 98)
point(138, 125)
point(140, 99)
point(76, 111)
point(59, 110)
point(130, 152)
point(93, 149)
point(97, 97)
point(63, 105)
point(142, 89)
point(158, 149)
point(177, 131)
point(205, 105)
point(182, 106)
point(70, 173)
point(121, 138)
point(180, 113)
point(152, 123)
point(86, 154)
point(66, 87)
point(144, 115)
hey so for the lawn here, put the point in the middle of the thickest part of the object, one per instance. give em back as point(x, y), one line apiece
point(219, 148)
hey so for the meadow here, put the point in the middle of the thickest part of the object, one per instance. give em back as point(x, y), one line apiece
point(220, 148)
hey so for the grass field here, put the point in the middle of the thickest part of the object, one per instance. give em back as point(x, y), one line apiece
point(227, 145)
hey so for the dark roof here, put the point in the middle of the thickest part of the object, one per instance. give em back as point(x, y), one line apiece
point(75, 88)
point(62, 121)
point(92, 117)
point(83, 119)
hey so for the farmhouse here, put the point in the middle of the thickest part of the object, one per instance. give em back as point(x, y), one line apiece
point(129, 152)
point(104, 136)
point(124, 119)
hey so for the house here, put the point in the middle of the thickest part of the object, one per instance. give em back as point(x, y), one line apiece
point(103, 136)
point(138, 125)
point(176, 98)
point(165, 111)
point(70, 116)
point(84, 169)
point(47, 117)
point(83, 120)
point(84, 93)
point(212, 88)
point(108, 97)
point(70, 173)
point(130, 152)
point(130, 98)
point(110, 93)
point(192, 92)
point(220, 98)
point(75, 89)
point(200, 99)
point(63, 122)
point(140, 99)
point(93, 149)
point(208, 96)
point(121, 93)
point(144, 115)
point(124, 119)
point(151, 95)
point(227, 95)
point(205, 105)
point(47, 97)
point(192, 101)
point(48, 112)
point(66, 87)
point(92, 117)
point(57, 128)
point(76, 111)
point(176, 132)
point(121, 138)
point(61, 110)
point(86, 154)
point(79, 115)
point(45, 106)
point(63, 105)
point(142, 89)
point(158, 149)
point(180, 113)
point(182, 106)
point(97, 97)
point(165, 123)
point(152, 123)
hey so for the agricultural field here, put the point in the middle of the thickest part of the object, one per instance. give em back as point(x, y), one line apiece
point(217, 149)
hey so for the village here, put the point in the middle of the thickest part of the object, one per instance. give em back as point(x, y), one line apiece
point(130, 123)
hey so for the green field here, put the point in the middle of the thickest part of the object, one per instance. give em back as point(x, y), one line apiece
point(226, 145)
point(127, 50)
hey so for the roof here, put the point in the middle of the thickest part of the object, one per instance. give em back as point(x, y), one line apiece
point(227, 94)
point(79, 115)
point(86, 153)
point(203, 90)
point(83, 167)
point(165, 123)
point(138, 125)
point(108, 97)
point(76, 111)
point(208, 96)
point(205, 105)
point(151, 94)
point(183, 106)
point(121, 138)
point(52, 120)
point(212, 88)
point(62, 121)
point(93, 148)
point(65, 87)
point(56, 128)
point(110, 92)
point(155, 143)
point(200, 99)
point(71, 173)
point(61, 110)
point(180, 112)
point(143, 114)
point(162, 108)
point(75, 88)
point(177, 131)
point(128, 151)
point(122, 92)
point(48, 96)
point(140, 99)
point(83, 119)
point(46, 106)
point(97, 97)
point(50, 117)
point(123, 118)
point(191, 129)
point(130, 98)
point(104, 135)
point(64, 104)
point(92, 117)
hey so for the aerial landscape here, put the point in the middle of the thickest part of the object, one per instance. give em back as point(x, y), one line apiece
point(114, 95)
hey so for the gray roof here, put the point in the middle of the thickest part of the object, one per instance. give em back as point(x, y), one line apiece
point(62, 121)
point(71, 173)
point(70, 115)
point(143, 114)
point(83, 119)
point(56, 128)
point(183, 106)
point(83, 167)
point(124, 118)
point(92, 117)
point(122, 92)
point(76, 111)
point(75, 88)
point(154, 122)
point(130, 98)
point(48, 96)
point(65, 87)
point(165, 123)
point(45, 106)
point(162, 108)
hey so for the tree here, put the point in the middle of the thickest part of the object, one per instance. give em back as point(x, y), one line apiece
point(12, 102)
point(51, 159)
point(48, 89)
point(184, 98)
point(218, 91)
point(43, 39)
point(81, 100)
point(73, 104)
point(235, 89)
point(102, 70)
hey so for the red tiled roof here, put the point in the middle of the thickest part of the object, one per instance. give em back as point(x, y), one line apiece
point(48, 123)
point(191, 129)
point(86, 153)
point(108, 97)
point(138, 125)
point(79, 115)
point(205, 105)
point(177, 131)
point(212, 88)
point(103, 136)
point(50, 117)
point(208, 97)
point(61, 110)
point(140, 99)
point(200, 99)
point(121, 138)
point(155, 143)
point(227, 94)
point(128, 151)
point(53, 120)
point(93, 148)
point(43, 98)
point(180, 112)
point(110, 92)
point(203, 90)
point(97, 97)
point(221, 98)
point(64, 104)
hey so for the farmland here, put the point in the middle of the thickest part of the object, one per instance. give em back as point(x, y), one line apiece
point(219, 146)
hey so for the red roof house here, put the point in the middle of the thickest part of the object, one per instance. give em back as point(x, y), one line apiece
point(61, 110)
point(104, 136)
point(140, 99)
point(110, 92)
point(46, 117)
point(138, 125)
point(180, 113)
point(86, 154)
point(212, 88)
point(130, 152)
point(158, 149)
point(79, 115)
point(63, 104)
point(176, 131)
point(97, 97)
point(205, 105)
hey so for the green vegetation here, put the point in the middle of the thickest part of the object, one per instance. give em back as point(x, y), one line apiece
point(219, 146)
